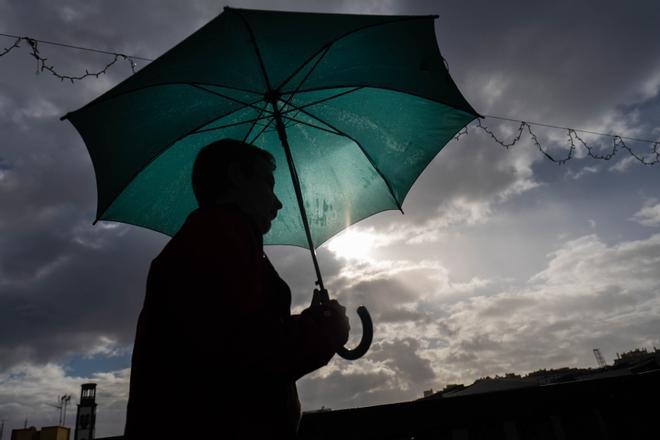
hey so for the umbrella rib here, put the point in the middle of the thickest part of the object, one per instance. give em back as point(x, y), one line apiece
point(256, 47)
point(306, 76)
point(103, 99)
point(254, 139)
point(291, 118)
point(367, 86)
point(229, 98)
point(254, 123)
point(318, 127)
point(327, 46)
point(346, 92)
point(342, 133)
point(233, 124)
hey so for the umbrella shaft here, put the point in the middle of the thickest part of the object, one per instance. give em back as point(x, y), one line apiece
point(281, 131)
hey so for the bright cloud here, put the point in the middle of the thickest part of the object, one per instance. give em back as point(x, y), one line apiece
point(358, 243)
point(107, 347)
point(581, 173)
point(585, 298)
point(624, 164)
point(649, 215)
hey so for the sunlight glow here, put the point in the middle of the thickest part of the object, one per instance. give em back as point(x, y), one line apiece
point(353, 244)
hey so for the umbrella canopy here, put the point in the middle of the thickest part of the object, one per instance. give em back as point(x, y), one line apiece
point(366, 103)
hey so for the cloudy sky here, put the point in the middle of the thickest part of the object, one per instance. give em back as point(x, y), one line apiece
point(503, 262)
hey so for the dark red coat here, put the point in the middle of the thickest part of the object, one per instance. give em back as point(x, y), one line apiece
point(217, 351)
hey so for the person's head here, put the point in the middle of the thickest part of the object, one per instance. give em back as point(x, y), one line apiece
point(231, 171)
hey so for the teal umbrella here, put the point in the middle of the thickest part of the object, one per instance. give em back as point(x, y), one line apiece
point(355, 105)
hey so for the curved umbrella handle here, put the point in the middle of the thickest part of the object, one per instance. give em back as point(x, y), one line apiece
point(365, 342)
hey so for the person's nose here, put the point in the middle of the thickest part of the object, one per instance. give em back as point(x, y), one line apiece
point(278, 204)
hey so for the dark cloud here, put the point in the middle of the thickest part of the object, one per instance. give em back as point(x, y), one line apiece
point(398, 314)
point(330, 391)
point(392, 371)
point(55, 314)
point(401, 355)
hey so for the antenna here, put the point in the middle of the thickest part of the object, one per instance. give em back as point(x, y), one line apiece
point(2, 428)
point(599, 358)
point(59, 399)
point(65, 401)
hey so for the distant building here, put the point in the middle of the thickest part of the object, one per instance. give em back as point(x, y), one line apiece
point(494, 384)
point(30, 433)
point(558, 375)
point(86, 415)
point(321, 409)
point(46, 433)
point(636, 357)
point(452, 388)
point(632, 362)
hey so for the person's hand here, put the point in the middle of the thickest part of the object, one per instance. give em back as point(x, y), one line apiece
point(337, 327)
point(332, 321)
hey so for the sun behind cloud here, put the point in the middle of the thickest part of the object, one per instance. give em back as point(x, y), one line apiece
point(353, 244)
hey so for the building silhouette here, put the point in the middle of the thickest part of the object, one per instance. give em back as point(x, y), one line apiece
point(86, 414)
point(46, 433)
point(612, 402)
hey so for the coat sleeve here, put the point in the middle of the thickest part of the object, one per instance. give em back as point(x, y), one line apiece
point(237, 320)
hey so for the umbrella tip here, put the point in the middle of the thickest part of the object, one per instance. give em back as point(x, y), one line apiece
point(64, 117)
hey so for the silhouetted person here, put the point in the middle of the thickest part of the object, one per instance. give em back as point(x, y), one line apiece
point(217, 351)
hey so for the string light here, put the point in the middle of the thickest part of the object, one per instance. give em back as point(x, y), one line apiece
point(617, 142)
point(461, 133)
point(573, 138)
point(43, 66)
